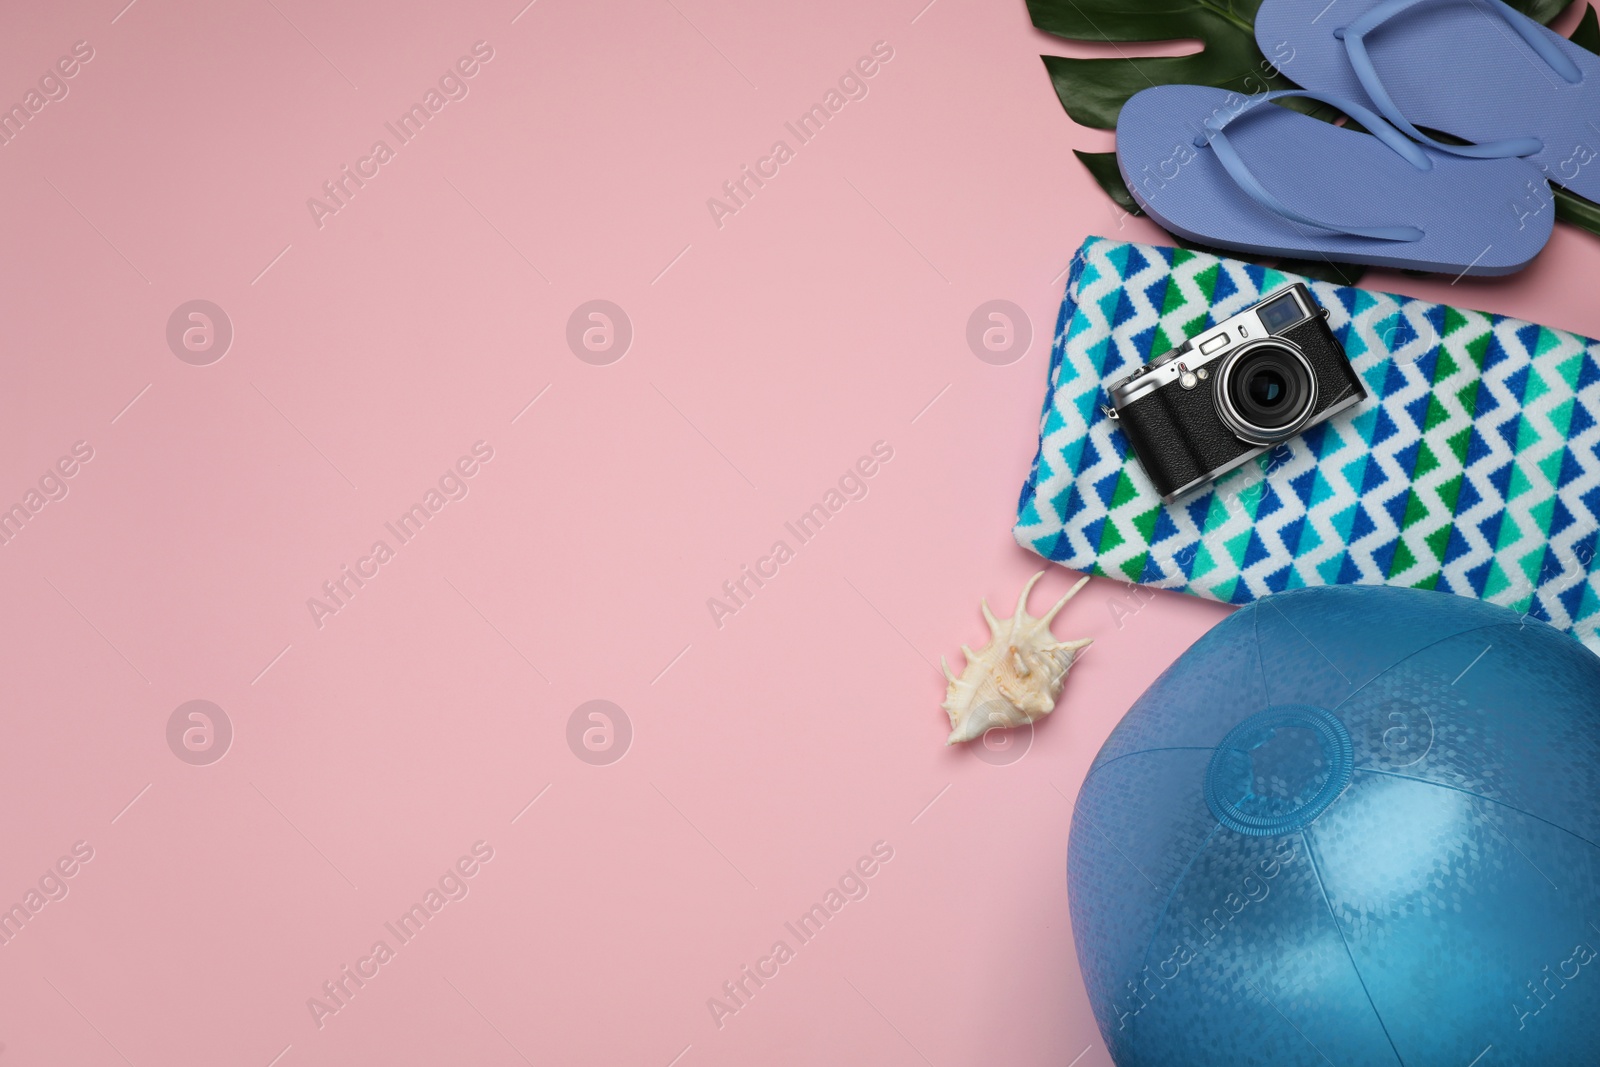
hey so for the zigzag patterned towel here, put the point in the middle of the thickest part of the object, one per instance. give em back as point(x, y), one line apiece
point(1471, 468)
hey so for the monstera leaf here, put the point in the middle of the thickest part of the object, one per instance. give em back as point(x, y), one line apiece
point(1094, 90)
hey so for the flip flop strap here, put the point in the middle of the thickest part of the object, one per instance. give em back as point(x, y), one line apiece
point(1354, 38)
point(1239, 171)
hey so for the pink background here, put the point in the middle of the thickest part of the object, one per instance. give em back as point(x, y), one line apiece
point(767, 755)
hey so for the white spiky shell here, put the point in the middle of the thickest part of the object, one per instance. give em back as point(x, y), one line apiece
point(1016, 677)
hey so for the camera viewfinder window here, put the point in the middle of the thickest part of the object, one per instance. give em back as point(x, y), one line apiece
point(1277, 315)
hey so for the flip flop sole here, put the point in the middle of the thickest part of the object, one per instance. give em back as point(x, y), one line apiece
point(1478, 216)
point(1454, 66)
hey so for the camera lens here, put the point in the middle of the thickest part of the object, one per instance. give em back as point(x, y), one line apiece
point(1270, 390)
point(1267, 388)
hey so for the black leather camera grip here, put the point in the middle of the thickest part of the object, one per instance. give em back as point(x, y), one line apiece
point(1177, 435)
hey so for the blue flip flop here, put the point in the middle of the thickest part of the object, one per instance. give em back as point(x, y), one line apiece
point(1240, 173)
point(1475, 69)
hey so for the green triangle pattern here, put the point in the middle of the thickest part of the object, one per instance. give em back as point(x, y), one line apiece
point(1110, 538)
point(1125, 491)
point(1133, 568)
point(1146, 525)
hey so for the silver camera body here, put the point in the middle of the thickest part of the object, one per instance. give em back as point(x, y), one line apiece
point(1235, 390)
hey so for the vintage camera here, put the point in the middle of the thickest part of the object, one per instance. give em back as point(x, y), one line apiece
point(1229, 394)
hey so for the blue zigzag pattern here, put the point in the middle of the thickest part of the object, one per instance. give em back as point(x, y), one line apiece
point(1473, 467)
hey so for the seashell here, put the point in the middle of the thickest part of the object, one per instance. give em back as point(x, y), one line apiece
point(1016, 677)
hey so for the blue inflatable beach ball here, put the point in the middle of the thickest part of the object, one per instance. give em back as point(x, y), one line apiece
point(1350, 826)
